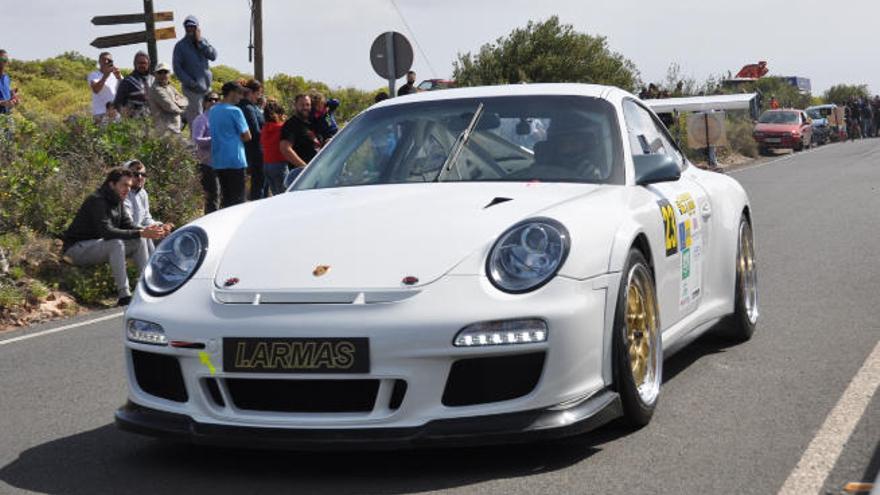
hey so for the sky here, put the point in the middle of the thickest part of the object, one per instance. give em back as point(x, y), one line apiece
point(329, 40)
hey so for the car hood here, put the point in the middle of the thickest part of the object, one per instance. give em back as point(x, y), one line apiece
point(371, 237)
point(776, 127)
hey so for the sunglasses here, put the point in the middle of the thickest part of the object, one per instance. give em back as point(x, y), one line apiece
point(108, 62)
point(139, 174)
point(214, 100)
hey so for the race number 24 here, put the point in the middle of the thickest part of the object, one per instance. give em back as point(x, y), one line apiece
point(668, 213)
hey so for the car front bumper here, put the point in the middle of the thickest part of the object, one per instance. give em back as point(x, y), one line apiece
point(543, 424)
point(410, 340)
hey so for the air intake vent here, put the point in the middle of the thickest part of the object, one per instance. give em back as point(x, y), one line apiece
point(492, 379)
point(159, 375)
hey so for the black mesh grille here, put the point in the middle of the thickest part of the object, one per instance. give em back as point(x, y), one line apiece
point(304, 396)
point(159, 375)
point(397, 394)
point(492, 379)
point(214, 392)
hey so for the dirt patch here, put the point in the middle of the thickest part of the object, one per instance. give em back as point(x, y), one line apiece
point(55, 306)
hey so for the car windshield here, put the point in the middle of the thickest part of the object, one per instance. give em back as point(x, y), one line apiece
point(779, 118)
point(513, 138)
point(818, 113)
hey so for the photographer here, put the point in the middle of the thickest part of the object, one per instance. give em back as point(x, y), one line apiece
point(103, 82)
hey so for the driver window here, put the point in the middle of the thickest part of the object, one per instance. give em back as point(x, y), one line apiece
point(646, 136)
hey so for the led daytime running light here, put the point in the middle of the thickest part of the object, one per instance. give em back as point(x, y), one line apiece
point(508, 332)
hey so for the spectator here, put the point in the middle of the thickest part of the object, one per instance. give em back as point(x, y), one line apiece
point(274, 163)
point(298, 142)
point(322, 118)
point(190, 61)
point(8, 96)
point(166, 104)
point(774, 103)
point(201, 135)
point(410, 86)
point(229, 132)
point(131, 94)
point(253, 149)
point(102, 232)
point(103, 83)
point(380, 96)
point(867, 117)
point(137, 203)
point(111, 115)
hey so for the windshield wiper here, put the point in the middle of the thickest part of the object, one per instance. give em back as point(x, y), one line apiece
point(462, 139)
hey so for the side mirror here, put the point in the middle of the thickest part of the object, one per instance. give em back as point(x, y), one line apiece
point(655, 168)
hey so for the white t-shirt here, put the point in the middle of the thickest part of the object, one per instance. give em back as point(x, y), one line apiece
point(107, 93)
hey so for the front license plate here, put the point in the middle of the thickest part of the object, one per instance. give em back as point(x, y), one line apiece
point(296, 355)
point(773, 140)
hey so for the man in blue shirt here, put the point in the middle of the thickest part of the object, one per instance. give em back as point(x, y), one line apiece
point(229, 132)
point(8, 97)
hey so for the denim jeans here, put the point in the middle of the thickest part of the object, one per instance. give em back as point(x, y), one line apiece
point(276, 174)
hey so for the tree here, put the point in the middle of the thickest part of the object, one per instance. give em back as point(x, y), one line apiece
point(546, 52)
point(841, 93)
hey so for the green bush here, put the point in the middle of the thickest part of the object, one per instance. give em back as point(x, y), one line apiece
point(739, 135)
point(43, 182)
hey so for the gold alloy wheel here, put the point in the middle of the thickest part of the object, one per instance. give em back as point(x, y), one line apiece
point(641, 333)
point(748, 272)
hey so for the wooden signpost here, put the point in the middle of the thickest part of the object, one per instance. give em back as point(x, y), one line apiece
point(149, 18)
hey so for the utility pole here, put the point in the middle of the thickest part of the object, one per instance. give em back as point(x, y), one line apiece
point(258, 39)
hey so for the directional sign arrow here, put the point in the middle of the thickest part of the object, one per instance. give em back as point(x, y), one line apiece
point(109, 20)
point(132, 38)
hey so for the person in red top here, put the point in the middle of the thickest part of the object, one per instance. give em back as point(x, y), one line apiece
point(274, 164)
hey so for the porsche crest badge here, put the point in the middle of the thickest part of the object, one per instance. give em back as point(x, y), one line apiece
point(321, 270)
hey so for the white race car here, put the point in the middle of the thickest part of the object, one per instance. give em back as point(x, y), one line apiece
point(474, 265)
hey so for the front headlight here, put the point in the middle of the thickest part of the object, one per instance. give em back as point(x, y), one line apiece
point(528, 255)
point(176, 260)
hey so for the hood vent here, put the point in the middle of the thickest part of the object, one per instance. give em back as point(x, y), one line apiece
point(497, 201)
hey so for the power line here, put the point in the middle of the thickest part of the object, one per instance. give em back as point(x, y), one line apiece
point(413, 35)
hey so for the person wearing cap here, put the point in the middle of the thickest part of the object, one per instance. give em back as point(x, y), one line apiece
point(137, 203)
point(166, 104)
point(190, 61)
point(201, 136)
point(229, 132)
point(131, 94)
point(103, 83)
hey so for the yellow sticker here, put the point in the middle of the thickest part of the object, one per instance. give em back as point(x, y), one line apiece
point(205, 358)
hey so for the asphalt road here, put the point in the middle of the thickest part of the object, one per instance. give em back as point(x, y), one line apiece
point(732, 419)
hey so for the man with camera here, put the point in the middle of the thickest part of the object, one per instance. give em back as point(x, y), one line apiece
point(103, 83)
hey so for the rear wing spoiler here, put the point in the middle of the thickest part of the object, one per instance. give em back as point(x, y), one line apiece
point(742, 101)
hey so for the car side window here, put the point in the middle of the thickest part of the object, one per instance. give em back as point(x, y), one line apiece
point(646, 135)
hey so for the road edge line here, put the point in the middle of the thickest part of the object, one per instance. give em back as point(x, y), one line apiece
point(60, 329)
point(822, 453)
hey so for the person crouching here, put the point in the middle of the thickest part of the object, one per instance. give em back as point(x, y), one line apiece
point(102, 232)
point(137, 203)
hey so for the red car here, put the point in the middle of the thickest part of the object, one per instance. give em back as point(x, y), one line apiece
point(783, 129)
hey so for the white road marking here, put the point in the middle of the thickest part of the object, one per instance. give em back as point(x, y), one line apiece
point(781, 158)
point(60, 329)
point(821, 455)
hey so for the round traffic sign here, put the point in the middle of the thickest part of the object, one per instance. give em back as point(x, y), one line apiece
point(391, 55)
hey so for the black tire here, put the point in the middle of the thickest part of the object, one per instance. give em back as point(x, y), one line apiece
point(740, 326)
point(636, 411)
point(763, 151)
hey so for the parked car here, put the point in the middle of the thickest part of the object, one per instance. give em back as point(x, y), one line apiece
point(825, 123)
point(450, 284)
point(783, 129)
